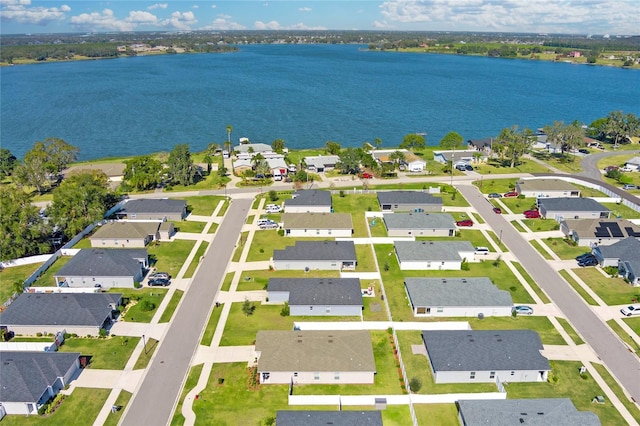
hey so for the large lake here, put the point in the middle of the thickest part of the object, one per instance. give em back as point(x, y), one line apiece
point(304, 94)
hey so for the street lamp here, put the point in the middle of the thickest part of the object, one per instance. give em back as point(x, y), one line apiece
point(144, 343)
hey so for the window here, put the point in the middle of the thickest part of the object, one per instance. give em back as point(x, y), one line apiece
point(513, 373)
point(133, 216)
point(472, 375)
point(316, 376)
point(317, 232)
point(295, 374)
point(492, 375)
point(311, 308)
point(104, 242)
point(93, 279)
point(439, 309)
point(421, 310)
point(336, 376)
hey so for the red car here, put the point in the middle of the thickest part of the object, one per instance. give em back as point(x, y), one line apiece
point(466, 222)
point(497, 210)
point(532, 214)
point(511, 194)
point(366, 175)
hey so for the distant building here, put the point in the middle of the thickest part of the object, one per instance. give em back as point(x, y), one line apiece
point(317, 224)
point(154, 209)
point(419, 224)
point(309, 201)
point(318, 296)
point(320, 255)
point(125, 234)
point(598, 232)
point(104, 268)
point(325, 418)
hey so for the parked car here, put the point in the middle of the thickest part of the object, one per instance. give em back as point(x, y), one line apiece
point(511, 194)
point(466, 222)
point(273, 209)
point(494, 195)
point(629, 186)
point(583, 151)
point(468, 168)
point(497, 210)
point(160, 275)
point(588, 262)
point(366, 175)
point(630, 310)
point(461, 167)
point(627, 169)
point(585, 256)
point(159, 282)
point(269, 225)
point(532, 214)
point(523, 310)
point(482, 250)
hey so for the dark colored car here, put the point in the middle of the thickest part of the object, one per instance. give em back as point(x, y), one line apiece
point(159, 282)
point(532, 214)
point(588, 262)
point(585, 256)
point(468, 168)
point(583, 151)
point(466, 222)
point(511, 194)
point(494, 195)
point(497, 210)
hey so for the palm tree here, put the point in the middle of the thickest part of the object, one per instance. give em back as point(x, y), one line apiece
point(229, 129)
point(397, 157)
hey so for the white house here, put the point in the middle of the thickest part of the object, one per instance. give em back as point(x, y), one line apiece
point(316, 255)
point(633, 164)
point(571, 208)
point(317, 224)
point(546, 188)
point(309, 201)
point(104, 268)
point(321, 163)
point(433, 255)
point(419, 224)
point(317, 296)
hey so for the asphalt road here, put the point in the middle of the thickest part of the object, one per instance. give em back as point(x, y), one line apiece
point(624, 364)
point(153, 401)
point(589, 163)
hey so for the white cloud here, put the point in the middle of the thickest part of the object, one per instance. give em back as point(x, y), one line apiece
point(381, 24)
point(181, 21)
point(275, 25)
point(19, 11)
point(158, 6)
point(104, 20)
point(305, 9)
point(223, 22)
point(142, 17)
point(195, 6)
point(213, 6)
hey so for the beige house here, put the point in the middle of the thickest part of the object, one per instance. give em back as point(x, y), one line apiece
point(125, 234)
point(546, 188)
point(599, 232)
point(317, 224)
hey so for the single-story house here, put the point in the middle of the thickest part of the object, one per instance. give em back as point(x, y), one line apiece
point(466, 156)
point(166, 230)
point(484, 356)
point(241, 165)
point(433, 255)
point(534, 411)
point(571, 208)
point(625, 255)
point(321, 163)
point(315, 357)
point(318, 296)
point(484, 145)
point(31, 379)
point(248, 150)
point(105, 268)
point(457, 297)
point(321, 255)
point(277, 166)
point(419, 224)
point(409, 201)
point(154, 209)
point(309, 201)
point(546, 188)
point(633, 164)
point(48, 313)
point(411, 162)
point(324, 418)
point(599, 232)
point(317, 224)
point(125, 234)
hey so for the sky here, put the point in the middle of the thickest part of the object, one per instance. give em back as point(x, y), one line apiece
point(597, 17)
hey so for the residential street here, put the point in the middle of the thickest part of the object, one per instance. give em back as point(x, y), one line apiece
point(624, 365)
point(589, 163)
point(154, 400)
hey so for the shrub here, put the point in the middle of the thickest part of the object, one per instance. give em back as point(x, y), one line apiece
point(415, 384)
point(611, 270)
point(464, 265)
point(285, 310)
point(38, 334)
point(281, 232)
point(147, 306)
point(341, 193)
point(386, 266)
point(273, 195)
point(102, 332)
point(521, 196)
point(247, 307)
point(137, 284)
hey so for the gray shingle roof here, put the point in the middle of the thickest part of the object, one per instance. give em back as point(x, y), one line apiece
point(324, 418)
point(317, 221)
point(26, 375)
point(627, 249)
point(476, 291)
point(419, 221)
point(537, 412)
point(154, 205)
point(572, 204)
point(407, 197)
point(318, 250)
point(124, 230)
point(546, 185)
point(64, 309)
point(431, 250)
point(485, 350)
point(310, 197)
point(315, 350)
point(103, 263)
point(319, 291)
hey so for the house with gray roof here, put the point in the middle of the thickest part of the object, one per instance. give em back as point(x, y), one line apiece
point(599, 232)
point(30, 379)
point(534, 411)
point(48, 313)
point(321, 255)
point(546, 188)
point(419, 224)
point(154, 209)
point(409, 201)
point(125, 234)
point(248, 150)
point(457, 297)
point(318, 296)
point(325, 418)
point(571, 208)
point(633, 164)
point(433, 255)
point(461, 156)
point(309, 201)
point(317, 224)
point(104, 268)
point(315, 357)
point(625, 255)
point(483, 356)
point(321, 163)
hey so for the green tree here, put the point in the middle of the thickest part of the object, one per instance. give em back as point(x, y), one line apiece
point(566, 136)
point(413, 142)
point(144, 172)
point(181, 166)
point(377, 142)
point(81, 199)
point(278, 145)
point(23, 231)
point(515, 142)
point(60, 153)
point(43, 163)
point(397, 157)
point(620, 126)
point(229, 129)
point(349, 162)
point(8, 162)
point(597, 129)
point(207, 159)
point(452, 140)
point(247, 307)
point(333, 148)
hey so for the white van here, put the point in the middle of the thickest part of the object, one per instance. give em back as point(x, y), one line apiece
point(482, 250)
point(630, 310)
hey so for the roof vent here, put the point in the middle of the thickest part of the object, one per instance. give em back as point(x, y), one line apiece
point(299, 340)
point(330, 340)
point(521, 420)
point(541, 414)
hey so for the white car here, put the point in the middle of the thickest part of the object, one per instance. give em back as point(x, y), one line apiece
point(630, 310)
point(272, 208)
point(482, 250)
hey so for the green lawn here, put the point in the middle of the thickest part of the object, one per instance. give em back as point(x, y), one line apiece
point(359, 225)
point(453, 198)
point(569, 385)
point(134, 311)
point(500, 186)
point(570, 331)
point(563, 248)
point(81, 407)
point(477, 218)
point(624, 336)
point(541, 225)
point(536, 245)
point(169, 257)
point(226, 284)
point(517, 225)
point(589, 192)
point(617, 390)
point(620, 210)
point(202, 205)
point(517, 205)
point(196, 259)
point(210, 330)
point(83, 244)
point(240, 246)
point(613, 291)
point(146, 354)
point(8, 276)
point(189, 226)
point(531, 282)
point(497, 168)
point(436, 414)
point(567, 162)
point(264, 242)
point(634, 323)
point(111, 353)
point(258, 280)
point(577, 287)
point(191, 382)
point(548, 334)
point(171, 306)
point(377, 228)
point(374, 308)
point(121, 401)
point(250, 219)
point(498, 240)
point(366, 262)
point(46, 279)
point(355, 203)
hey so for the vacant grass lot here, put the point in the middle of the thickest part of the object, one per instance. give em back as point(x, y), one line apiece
point(569, 385)
point(189, 226)
point(81, 407)
point(531, 282)
point(377, 228)
point(8, 276)
point(121, 401)
point(615, 387)
point(46, 279)
point(563, 249)
point(258, 280)
point(202, 205)
point(620, 210)
point(111, 353)
point(500, 186)
point(498, 168)
point(264, 242)
point(169, 257)
point(566, 162)
point(578, 288)
point(351, 203)
point(134, 312)
point(196, 259)
point(614, 291)
point(541, 225)
point(366, 261)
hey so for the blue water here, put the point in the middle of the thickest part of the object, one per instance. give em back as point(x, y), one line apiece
point(304, 94)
